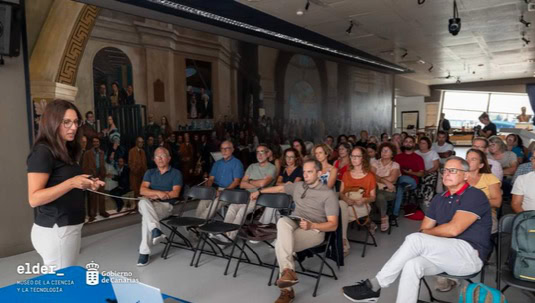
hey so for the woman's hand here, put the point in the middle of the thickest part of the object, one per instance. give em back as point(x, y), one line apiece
point(82, 182)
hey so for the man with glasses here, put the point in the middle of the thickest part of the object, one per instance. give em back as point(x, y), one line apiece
point(524, 191)
point(454, 238)
point(258, 175)
point(482, 144)
point(226, 173)
point(160, 183)
point(317, 206)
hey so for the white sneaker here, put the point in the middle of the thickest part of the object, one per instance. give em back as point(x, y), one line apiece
point(254, 241)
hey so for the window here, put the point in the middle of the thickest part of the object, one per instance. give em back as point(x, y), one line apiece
point(464, 108)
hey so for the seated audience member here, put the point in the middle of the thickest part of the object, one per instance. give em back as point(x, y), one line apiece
point(123, 183)
point(480, 177)
point(412, 168)
point(258, 175)
point(160, 183)
point(137, 161)
point(359, 180)
point(396, 140)
point(403, 136)
point(454, 238)
point(316, 205)
point(384, 138)
point(524, 191)
point(328, 172)
point(152, 128)
point(342, 163)
point(352, 139)
point(299, 145)
point(292, 169)
point(428, 183)
point(482, 144)
point(373, 140)
point(94, 160)
point(522, 169)
point(515, 144)
point(274, 157)
point(363, 142)
point(442, 147)
point(341, 139)
point(111, 172)
point(329, 141)
point(386, 172)
point(226, 173)
point(508, 160)
point(371, 150)
point(490, 128)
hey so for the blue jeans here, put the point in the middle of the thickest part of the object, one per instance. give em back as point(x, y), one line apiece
point(402, 182)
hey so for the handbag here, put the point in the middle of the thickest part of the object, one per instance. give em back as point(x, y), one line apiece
point(359, 211)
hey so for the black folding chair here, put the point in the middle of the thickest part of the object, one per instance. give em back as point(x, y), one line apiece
point(361, 222)
point(321, 252)
point(230, 196)
point(505, 230)
point(278, 201)
point(189, 223)
point(468, 278)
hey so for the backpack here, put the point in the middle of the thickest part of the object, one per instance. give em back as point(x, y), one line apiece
point(522, 255)
point(481, 293)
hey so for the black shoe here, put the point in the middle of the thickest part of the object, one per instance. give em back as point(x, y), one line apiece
point(157, 236)
point(143, 260)
point(361, 292)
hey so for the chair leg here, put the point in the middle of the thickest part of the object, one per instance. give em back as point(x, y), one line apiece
point(504, 289)
point(431, 297)
point(318, 277)
point(196, 249)
point(272, 271)
point(201, 250)
point(231, 254)
point(239, 259)
point(365, 243)
point(165, 251)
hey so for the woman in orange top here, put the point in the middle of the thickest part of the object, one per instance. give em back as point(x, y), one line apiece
point(358, 178)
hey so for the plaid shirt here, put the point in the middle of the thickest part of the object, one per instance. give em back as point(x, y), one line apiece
point(522, 170)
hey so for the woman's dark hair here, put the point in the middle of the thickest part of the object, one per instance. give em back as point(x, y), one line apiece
point(427, 140)
point(347, 146)
point(374, 147)
point(384, 134)
point(340, 139)
point(303, 147)
point(365, 159)
point(388, 145)
point(49, 132)
point(298, 159)
point(518, 140)
point(486, 168)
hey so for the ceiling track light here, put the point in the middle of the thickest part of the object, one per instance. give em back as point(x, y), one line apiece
point(526, 23)
point(350, 28)
point(526, 40)
point(405, 54)
point(430, 68)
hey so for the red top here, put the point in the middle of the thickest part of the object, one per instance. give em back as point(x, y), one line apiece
point(341, 171)
point(410, 161)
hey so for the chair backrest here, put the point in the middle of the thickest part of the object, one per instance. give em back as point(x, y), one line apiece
point(277, 201)
point(201, 193)
point(506, 224)
point(234, 196)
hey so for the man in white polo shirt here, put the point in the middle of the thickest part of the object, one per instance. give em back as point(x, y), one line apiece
point(524, 191)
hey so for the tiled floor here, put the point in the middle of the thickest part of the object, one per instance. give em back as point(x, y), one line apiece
point(117, 250)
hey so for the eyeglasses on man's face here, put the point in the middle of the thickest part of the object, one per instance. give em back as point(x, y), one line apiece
point(226, 148)
point(452, 171)
point(160, 157)
point(67, 123)
point(261, 152)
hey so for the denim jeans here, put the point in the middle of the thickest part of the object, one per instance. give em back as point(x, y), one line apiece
point(402, 182)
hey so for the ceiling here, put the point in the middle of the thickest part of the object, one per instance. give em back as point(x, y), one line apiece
point(488, 47)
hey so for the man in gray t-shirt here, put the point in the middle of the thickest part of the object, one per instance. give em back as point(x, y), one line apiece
point(317, 207)
point(258, 175)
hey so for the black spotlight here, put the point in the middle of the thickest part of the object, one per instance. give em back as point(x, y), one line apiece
point(454, 24)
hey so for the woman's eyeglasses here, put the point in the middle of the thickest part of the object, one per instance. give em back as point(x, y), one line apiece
point(67, 123)
point(355, 156)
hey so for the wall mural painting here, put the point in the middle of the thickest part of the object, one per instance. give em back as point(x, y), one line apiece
point(199, 89)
